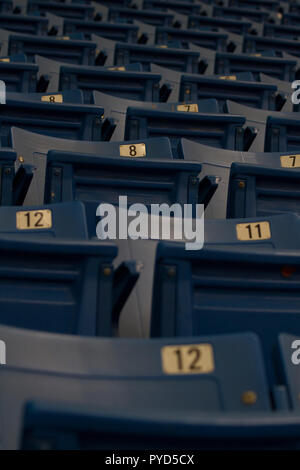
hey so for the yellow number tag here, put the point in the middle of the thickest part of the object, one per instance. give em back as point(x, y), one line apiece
point(189, 108)
point(133, 150)
point(256, 55)
point(188, 359)
point(34, 220)
point(163, 46)
point(253, 231)
point(52, 98)
point(6, 59)
point(228, 77)
point(119, 69)
point(290, 161)
point(64, 38)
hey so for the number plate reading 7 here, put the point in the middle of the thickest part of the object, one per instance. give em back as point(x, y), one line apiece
point(290, 161)
point(188, 359)
point(34, 220)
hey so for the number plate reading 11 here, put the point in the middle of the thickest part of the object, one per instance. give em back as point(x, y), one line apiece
point(253, 231)
point(34, 220)
point(133, 150)
point(188, 359)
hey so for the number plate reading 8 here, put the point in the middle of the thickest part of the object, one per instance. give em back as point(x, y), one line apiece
point(290, 161)
point(189, 108)
point(188, 359)
point(253, 231)
point(52, 98)
point(34, 220)
point(133, 150)
point(228, 77)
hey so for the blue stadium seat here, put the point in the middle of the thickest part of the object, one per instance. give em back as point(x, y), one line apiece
point(70, 121)
point(183, 7)
point(96, 178)
point(64, 48)
point(67, 10)
point(259, 191)
point(6, 6)
point(115, 31)
point(65, 220)
point(281, 68)
point(260, 43)
point(154, 17)
point(116, 108)
point(24, 24)
point(285, 91)
point(210, 39)
point(291, 19)
point(279, 30)
point(46, 426)
point(237, 13)
point(227, 291)
point(63, 286)
point(120, 53)
point(258, 95)
point(14, 184)
point(217, 163)
point(282, 133)
point(220, 130)
point(19, 76)
point(256, 4)
point(233, 26)
point(109, 377)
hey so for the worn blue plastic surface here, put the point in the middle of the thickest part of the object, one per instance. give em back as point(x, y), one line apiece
point(282, 134)
point(67, 10)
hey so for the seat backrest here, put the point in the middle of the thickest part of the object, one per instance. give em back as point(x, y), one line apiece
point(25, 24)
point(258, 95)
point(34, 148)
point(278, 67)
point(67, 10)
point(63, 286)
point(141, 374)
point(220, 130)
point(264, 190)
point(206, 291)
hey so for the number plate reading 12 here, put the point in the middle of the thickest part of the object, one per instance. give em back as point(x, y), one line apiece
point(188, 359)
point(34, 220)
